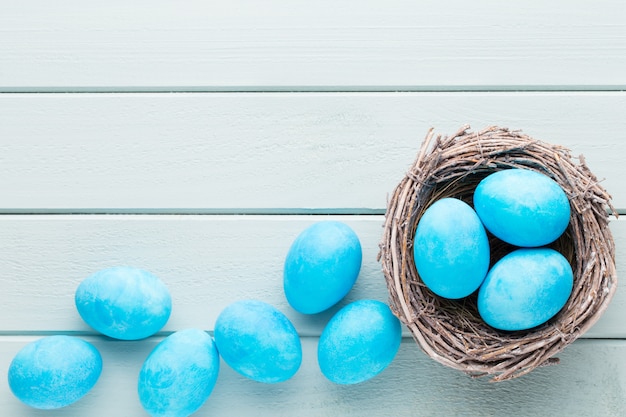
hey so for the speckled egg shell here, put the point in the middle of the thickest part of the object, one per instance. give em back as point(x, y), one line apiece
point(321, 267)
point(451, 249)
point(525, 288)
point(124, 303)
point(258, 341)
point(54, 371)
point(522, 207)
point(179, 374)
point(359, 342)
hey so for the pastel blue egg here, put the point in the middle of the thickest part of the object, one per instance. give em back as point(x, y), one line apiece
point(451, 249)
point(124, 303)
point(54, 371)
point(358, 342)
point(522, 207)
point(525, 288)
point(179, 374)
point(258, 341)
point(321, 267)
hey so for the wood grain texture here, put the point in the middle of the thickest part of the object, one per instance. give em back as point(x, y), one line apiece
point(280, 109)
point(207, 262)
point(591, 376)
point(285, 44)
point(281, 152)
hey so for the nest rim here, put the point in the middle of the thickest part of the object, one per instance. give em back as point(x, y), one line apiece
point(451, 331)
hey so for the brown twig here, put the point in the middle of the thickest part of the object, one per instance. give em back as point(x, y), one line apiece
point(451, 331)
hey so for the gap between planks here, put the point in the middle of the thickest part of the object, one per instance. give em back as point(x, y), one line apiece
point(339, 89)
point(286, 211)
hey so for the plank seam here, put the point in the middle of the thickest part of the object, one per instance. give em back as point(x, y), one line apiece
point(213, 212)
point(316, 89)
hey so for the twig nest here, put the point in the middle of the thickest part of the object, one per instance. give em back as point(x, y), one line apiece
point(451, 331)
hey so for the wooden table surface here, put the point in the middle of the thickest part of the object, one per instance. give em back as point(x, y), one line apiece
point(198, 139)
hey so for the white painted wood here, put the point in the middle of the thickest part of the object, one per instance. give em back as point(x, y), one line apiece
point(286, 44)
point(339, 151)
point(328, 151)
point(590, 380)
point(207, 262)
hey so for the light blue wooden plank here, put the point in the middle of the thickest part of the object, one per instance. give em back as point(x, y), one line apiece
point(591, 380)
point(300, 45)
point(207, 262)
point(285, 152)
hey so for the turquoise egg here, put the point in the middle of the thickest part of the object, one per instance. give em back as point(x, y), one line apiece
point(522, 207)
point(358, 342)
point(179, 374)
point(451, 249)
point(258, 341)
point(525, 288)
point(124, 303)
point(321, 266)
point(54, 371)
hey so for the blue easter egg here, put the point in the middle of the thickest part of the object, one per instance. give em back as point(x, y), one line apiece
point(358, 342)
point(525, 288)
point(451, 249)
point(321, 267)
point(258, 341)
point(522, 207)
point(179, 374)
point(124, 303)
point(54, 371)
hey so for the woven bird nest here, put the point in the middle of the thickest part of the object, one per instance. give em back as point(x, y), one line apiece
point(451, 331)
